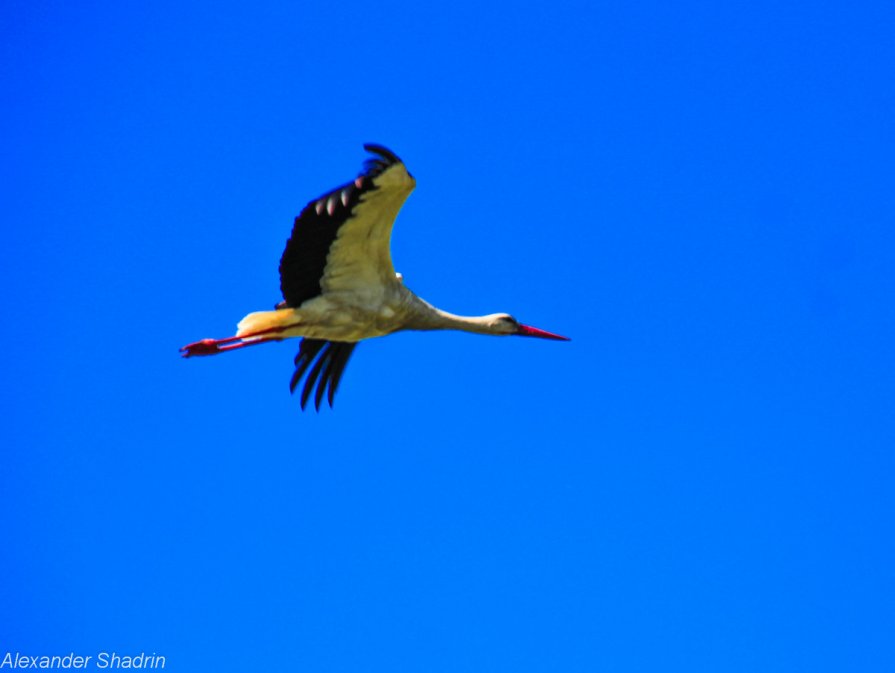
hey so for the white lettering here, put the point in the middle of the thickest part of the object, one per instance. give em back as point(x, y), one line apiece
point(17, 660)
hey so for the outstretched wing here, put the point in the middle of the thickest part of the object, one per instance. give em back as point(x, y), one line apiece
point(326, 372)
point(341, 241)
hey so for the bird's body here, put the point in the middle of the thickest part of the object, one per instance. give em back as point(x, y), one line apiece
point(340, 287)
point(341, 317)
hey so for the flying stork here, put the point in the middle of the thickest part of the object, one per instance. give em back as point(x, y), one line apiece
point(339, 286)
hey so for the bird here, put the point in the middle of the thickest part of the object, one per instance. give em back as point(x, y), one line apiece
point(340, 287)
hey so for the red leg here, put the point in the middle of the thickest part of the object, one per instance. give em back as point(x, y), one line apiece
point(215, 346)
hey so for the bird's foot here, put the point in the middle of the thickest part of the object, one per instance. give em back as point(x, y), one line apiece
point(215, 346)
point(204, 347)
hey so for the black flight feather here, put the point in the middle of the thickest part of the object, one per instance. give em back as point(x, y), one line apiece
point(339, 359)
point(331, 358)
point(312, 379)
point(307, 351)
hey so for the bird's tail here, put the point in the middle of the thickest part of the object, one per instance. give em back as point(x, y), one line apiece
point(267, 324)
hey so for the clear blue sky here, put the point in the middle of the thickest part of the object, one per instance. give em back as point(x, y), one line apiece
point(701, 195)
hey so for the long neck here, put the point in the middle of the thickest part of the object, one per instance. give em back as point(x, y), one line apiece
point(424, 316)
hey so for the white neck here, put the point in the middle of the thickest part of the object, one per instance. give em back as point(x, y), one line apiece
point(424, 316)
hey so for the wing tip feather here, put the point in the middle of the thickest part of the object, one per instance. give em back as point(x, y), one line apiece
point(383, 160)
point(329, 359)
point(384, 152)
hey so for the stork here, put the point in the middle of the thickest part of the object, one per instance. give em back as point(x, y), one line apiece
point(339, 286)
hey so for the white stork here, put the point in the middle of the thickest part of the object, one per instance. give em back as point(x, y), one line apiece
point(339, 286)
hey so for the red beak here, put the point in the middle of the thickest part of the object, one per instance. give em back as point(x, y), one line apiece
point(526, 330)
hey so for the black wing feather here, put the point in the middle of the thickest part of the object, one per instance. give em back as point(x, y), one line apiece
point(339, 360)
point(307, 351)
point(331, 358)
point(304, 259)
point(312, 379)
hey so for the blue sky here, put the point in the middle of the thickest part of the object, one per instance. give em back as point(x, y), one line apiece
point(700, 195)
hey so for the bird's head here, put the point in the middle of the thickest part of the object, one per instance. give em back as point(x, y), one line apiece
point(504, 323)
